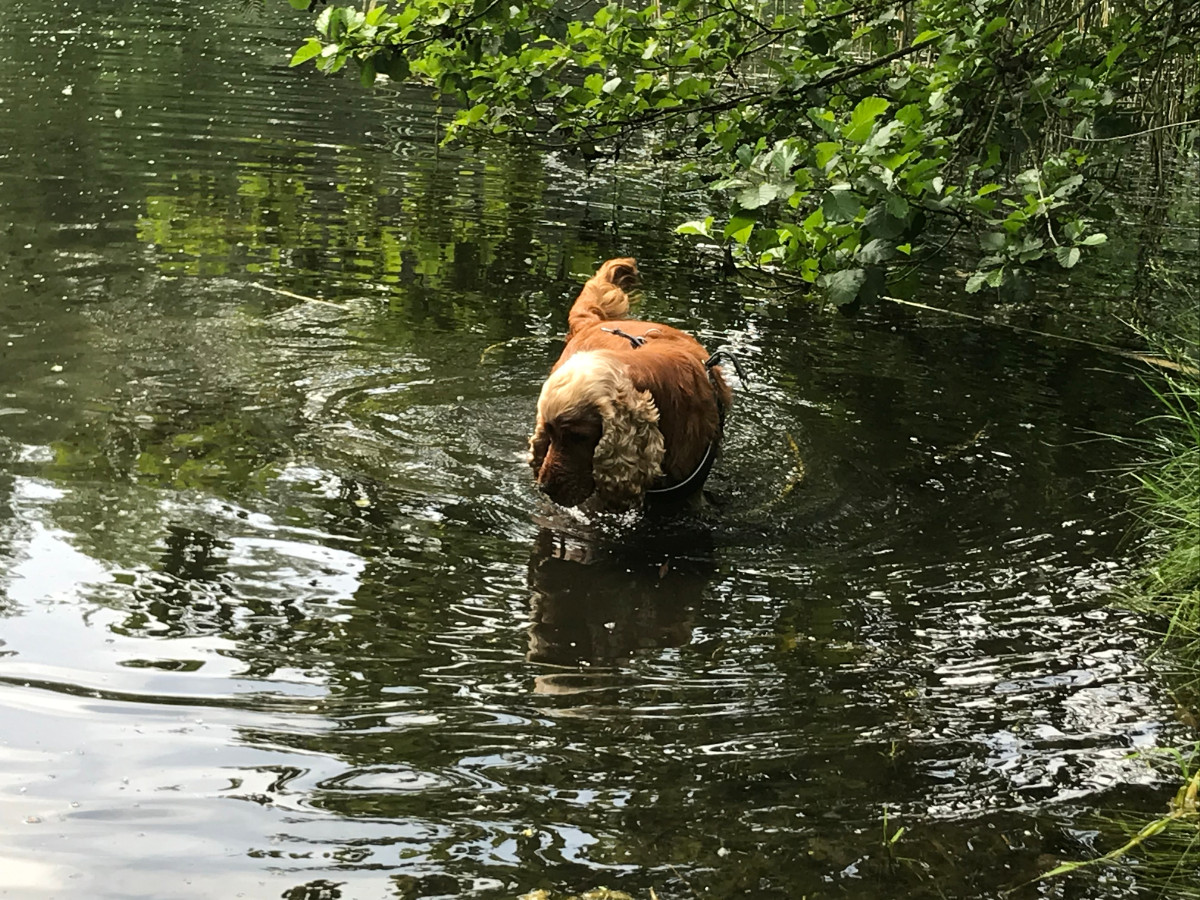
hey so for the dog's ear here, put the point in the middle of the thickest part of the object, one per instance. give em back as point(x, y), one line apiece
point(623, 272)
point(539, 446)
point(629, 456)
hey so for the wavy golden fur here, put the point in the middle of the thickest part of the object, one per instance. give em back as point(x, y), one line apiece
point(615, 420)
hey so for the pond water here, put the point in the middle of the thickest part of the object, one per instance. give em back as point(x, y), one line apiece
point(282, 616)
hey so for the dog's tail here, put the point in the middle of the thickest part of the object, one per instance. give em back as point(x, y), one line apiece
point(605, 295)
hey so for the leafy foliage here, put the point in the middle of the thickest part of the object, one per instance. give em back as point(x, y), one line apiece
point(843, 136)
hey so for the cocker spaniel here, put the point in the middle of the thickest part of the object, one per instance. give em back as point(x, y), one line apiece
point(632, 410)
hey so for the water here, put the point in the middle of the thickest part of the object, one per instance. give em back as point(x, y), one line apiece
point(281, 616)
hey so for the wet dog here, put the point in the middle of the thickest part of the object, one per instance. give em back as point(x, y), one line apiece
point(631, 409)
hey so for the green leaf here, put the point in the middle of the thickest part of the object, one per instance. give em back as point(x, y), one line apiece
point(840, 204)
point(702, 228)
point(325, 19)
point(738, 229)
point(1031, 248)
point(823, 119)
point(310, 49)
point(299, 4)
point(690, 88)
point(899, 208)
point(825, 151)
point(1068, 186)
point(880, 222)
point(843, 286)
point(993, 241)
point(794, 231)
point(1095, 240)
point(1067, 256)
point(781, 161)
point(882, 136)
point(862, 120)
point(1116, 51)
point(975, 282)
point(611, 85)
point(868, 110)
point(366, 75)
point(911, 115)
point(406, 17)
point(757, 195)
point(876, 251)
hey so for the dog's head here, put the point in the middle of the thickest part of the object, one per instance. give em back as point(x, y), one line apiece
point(596, 434)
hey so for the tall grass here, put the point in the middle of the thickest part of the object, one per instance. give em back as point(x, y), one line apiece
point(1170, 499)
point(1167, 849)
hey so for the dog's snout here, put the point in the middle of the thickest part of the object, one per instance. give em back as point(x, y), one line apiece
point(563, 485)
point(556, 490)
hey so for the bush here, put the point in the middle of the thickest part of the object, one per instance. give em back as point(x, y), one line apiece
point(837, 138)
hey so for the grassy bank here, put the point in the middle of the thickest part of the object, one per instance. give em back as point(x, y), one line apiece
point(1169, 586)
point(1170, 497)
point(1167, 850)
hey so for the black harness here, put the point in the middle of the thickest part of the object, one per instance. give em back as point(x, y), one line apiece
point(689, 484)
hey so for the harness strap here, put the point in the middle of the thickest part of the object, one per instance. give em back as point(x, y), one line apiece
point(699, 474)
point(635, 340)
point(710, 455)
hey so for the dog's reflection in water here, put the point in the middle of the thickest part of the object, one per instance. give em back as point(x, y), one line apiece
point(594, 605)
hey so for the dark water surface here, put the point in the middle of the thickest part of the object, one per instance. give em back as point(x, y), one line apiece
point(281, 616)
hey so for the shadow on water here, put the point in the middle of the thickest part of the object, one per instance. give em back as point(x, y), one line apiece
point(594, 603)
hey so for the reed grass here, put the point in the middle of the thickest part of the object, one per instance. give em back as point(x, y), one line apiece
point(1169, 488)
point(1164, 851)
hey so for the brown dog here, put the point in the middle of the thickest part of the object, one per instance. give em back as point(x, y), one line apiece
point(631, 409)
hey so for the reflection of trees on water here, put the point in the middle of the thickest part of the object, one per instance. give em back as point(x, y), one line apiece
point(320, 889)
point(12, 533)
point(187, 587)
point(596, 605)
point(592, 602)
